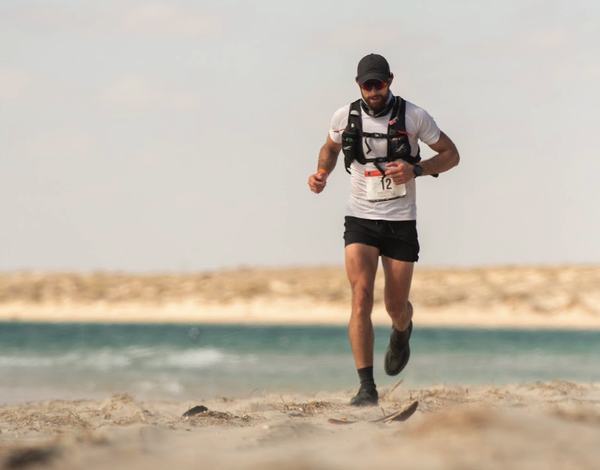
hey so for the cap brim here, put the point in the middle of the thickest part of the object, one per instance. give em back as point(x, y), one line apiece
point(373, 75)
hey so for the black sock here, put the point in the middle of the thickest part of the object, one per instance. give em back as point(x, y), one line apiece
point(366, 378)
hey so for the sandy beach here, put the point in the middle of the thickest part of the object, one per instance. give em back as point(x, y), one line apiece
point(551, 425)
point(510, 297)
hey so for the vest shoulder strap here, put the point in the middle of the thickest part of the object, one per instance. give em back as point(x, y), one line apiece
point(355, 116)
point(400, 114)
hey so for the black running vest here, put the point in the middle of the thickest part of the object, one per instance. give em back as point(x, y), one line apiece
point(397, 138)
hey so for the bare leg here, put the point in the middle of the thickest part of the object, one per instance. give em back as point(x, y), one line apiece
point(398, 279)
point(361, 267)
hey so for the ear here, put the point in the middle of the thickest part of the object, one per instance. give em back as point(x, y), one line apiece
point(391, 79)
point(356, 80)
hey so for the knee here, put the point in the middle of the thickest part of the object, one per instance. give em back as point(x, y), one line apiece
point(401, 311)
point(362, 296)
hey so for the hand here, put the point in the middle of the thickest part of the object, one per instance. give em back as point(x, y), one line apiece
point(400, 172)
point(317, 182)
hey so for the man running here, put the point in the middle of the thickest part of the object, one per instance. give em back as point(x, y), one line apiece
point(379, 137)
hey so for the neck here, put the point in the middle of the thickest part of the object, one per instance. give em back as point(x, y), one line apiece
point(386, 108)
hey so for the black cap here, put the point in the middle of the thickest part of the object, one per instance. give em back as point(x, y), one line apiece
point(373, 66)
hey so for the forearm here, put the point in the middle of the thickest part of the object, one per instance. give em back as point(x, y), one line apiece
point(441, 162)
point(447, 157)
point(327, 159)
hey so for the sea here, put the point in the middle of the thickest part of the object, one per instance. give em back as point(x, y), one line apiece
point(177, 362)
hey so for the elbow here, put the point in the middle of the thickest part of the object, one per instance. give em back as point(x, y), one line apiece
point(456, 158)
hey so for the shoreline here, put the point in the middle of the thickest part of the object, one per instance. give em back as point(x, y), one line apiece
point(289, 312)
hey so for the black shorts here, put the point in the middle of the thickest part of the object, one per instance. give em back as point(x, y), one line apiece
point(396, 239)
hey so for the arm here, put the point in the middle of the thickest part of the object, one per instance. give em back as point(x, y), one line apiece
point(327, 159)
point(447, 158)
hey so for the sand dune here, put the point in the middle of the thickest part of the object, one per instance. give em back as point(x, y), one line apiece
point(551, 425)
point(554, 297)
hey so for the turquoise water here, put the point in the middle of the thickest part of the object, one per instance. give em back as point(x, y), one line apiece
point(180, 362)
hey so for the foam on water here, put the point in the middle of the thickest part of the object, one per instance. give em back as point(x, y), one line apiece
point(79, 360)
point(202, 359)
point(107, 359)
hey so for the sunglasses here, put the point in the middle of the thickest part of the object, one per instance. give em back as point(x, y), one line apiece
point(373, 83)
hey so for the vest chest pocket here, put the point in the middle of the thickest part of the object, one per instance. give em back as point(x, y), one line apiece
point(350, 142)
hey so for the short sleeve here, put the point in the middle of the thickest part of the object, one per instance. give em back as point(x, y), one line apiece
point(427, 129)
point(339, 121)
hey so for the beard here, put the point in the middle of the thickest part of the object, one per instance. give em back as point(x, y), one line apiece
point(376, 101)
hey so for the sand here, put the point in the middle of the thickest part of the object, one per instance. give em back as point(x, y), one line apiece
point(551, 425)
point(511, 297)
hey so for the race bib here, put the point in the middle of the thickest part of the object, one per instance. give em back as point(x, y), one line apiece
point(382, 188)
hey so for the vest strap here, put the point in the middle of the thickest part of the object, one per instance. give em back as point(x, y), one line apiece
point(396, 136)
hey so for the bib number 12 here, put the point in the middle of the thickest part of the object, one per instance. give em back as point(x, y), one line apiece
point(382, 188)
point(386, 183)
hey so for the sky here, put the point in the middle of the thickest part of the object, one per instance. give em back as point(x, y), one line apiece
point(179, 135)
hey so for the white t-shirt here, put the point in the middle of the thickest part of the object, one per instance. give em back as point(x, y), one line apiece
point(420, 125)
